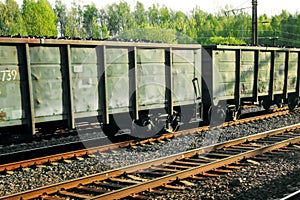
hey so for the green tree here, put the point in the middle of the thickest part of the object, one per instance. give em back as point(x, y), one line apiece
point(90, 24)
point(74, 23)
point(264, 30)
point(165, 17)
point(225, 40)
point(154, 16)
point(119, 18)
point(197, 22)
point(11, 22)
point(104, 31)
point(61, 13)
point(179, 22)
point(39, 18)
point(290, 30)
point(140, 16)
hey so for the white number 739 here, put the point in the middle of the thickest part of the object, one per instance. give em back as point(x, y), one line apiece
point(9, 75)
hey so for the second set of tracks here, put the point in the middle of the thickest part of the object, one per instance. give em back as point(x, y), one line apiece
point(104, 144)
point(132, 180)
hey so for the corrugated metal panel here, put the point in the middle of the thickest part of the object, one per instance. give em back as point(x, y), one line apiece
point(11, 110)
point(247, 73)
point(183, 89)
point(183, 56)
point(8, 54)
point(264, 67)
point(47, 97)
point(83, 55)
point(118, 98)
point(47, 81)
point(117, 70)
point(44, 55)
point(224, 79)
point(117, 88)
point(10, 93)
point(151, 85)
point(150, 56)
point(279, 69)
point(292, 72)
point(117, 80)
point(85, 80)
point(116, 55)
point(85, 94)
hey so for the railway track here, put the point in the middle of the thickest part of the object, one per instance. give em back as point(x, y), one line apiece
point(76, 150)
point(33, 153)
point(168, 171)
point(293, 196)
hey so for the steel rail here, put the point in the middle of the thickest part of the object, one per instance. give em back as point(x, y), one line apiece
point(193, 171)
point(293, 196)
point(82, 152)
point(169, 178)
point(57, 157)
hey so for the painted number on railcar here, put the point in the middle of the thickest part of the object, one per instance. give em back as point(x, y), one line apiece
point(8, 75)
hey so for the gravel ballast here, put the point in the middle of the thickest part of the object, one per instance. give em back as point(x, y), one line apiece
point(32, 178)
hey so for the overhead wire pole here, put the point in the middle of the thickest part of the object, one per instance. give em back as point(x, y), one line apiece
point(254, 23)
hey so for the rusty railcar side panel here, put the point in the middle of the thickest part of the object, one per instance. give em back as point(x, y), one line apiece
point(153, 55)
point(85, 80)
point(292, 72)
point(279, 70)
point(12, 109)
point(184, 56)
point(47, 83)
point(186, 67)
point(117, 55)
point(117, 80)
point(247, 60)
point(264, 67)
point(224, 74)
point(151, 78)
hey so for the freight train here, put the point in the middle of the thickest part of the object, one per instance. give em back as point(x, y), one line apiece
point(142, 87)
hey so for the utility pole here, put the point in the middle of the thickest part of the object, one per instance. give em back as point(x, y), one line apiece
point(254, 22)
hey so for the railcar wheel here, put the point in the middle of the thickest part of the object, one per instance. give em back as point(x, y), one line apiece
point(279, 105)
point(145, 127)
point(292, 103)
point(216, 115)
point(266, 106)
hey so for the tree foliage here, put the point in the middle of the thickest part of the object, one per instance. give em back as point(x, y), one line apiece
point(39, 18)
point(11, 21)
point(155, 23)
point(60, 10)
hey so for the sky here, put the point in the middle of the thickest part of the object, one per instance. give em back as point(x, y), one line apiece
point(268, 7)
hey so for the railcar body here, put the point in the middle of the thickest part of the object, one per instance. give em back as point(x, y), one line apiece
point(144, 87)
point(120, 84)
point(241, 75)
